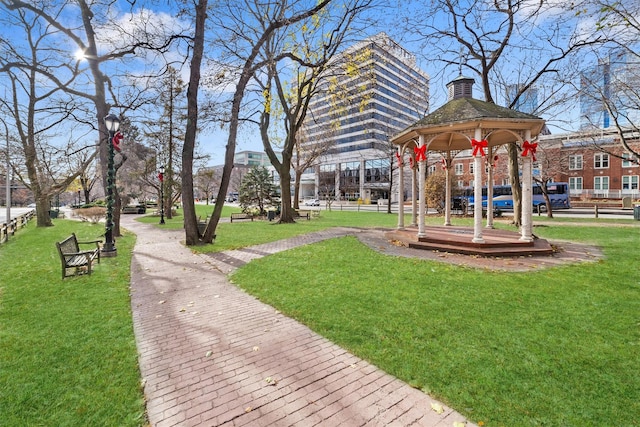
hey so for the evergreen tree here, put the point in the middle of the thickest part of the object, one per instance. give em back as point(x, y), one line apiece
point(257, 190)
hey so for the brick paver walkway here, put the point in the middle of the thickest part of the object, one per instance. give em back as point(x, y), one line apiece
point(212, 355)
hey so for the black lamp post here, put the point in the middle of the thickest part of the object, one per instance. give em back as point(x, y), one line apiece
point(112, 122)
point(161, 179)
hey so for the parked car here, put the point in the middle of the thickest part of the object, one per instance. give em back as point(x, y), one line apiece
point(313, 202)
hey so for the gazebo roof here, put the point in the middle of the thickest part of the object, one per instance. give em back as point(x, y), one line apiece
point(448, 127)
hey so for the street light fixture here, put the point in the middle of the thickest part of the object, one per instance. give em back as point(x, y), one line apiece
point(112, 122)
point(161, 179)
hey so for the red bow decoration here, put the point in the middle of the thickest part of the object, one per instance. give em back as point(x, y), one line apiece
point(421, 153)
point(444, 164)
point(529, 147)
point(117, 139)
point(399, 159)
point(479, 146)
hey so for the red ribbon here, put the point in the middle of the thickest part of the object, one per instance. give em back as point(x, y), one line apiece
point(444, 164)
point(117, 139)
point(421, 153)
point(479, 146)
point(161, 177)
point(399, 159)
point(529, 147)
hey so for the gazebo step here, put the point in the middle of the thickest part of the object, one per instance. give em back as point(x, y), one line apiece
point(459, 240)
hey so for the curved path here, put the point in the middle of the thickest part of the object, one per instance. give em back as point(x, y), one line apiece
point(212, 355)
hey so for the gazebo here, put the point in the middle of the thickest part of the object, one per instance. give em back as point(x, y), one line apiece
point(465, 123)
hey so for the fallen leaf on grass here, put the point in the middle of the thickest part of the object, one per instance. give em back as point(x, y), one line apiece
point(437, 408)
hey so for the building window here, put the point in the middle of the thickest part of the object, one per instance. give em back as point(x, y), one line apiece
point(601, 183)
point(432, 169)
point(376, 170)
point(460, 183)
point(630, 182)
point(575, 162)
point(601, 161)
point(627, 161)
point(459, 168)
point(575, 183)
point(471, 168)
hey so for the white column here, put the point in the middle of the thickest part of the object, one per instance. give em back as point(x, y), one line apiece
point(422, 166)
point(477, 192)
point(400, 190)
point(337, 182)
point(361, 189)
point(447, 202)
point(489, 164)
point(527, 195)
point(414, 196)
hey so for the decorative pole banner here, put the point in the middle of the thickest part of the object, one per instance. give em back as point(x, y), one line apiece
point(529, 147)
point(117, 139)
point(444, 164)
point(399, 159)
point(479, 146)
point(421, 153)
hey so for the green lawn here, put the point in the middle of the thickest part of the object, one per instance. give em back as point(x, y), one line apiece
point(67, 350)
point(555, 347)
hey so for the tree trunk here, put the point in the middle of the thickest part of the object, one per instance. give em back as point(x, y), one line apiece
point(286, 211)
point(296, 190)
point(192, 235)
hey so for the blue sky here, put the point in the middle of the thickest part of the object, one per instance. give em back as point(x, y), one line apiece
point(213, 141)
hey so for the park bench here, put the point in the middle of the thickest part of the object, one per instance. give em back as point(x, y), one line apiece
point(302, 214)
point(241, 215)
point(72, 257)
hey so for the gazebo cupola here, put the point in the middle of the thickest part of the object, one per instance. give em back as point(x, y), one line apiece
point(460, 87)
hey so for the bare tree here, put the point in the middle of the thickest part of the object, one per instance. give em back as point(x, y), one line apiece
point(87, 32)
point(36, 106)
point(528, 40)
point(306, 155)
point(245, 40)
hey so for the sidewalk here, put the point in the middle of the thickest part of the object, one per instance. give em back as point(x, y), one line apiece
point(212, 355)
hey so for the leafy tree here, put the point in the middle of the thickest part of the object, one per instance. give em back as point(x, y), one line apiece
point(244, 28)
point(296, 60)
point(257, 190)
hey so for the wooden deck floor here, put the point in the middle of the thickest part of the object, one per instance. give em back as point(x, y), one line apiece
point(498, 243)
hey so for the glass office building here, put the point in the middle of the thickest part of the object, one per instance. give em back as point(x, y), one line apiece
point(372, 91)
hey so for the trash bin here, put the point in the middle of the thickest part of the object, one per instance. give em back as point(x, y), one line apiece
point(53, 214)
point(271, 215)
point(636, 212)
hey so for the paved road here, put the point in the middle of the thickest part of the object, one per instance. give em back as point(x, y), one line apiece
point(15, 212)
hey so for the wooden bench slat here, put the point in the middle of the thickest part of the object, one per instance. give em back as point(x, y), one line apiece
point(72, 257)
